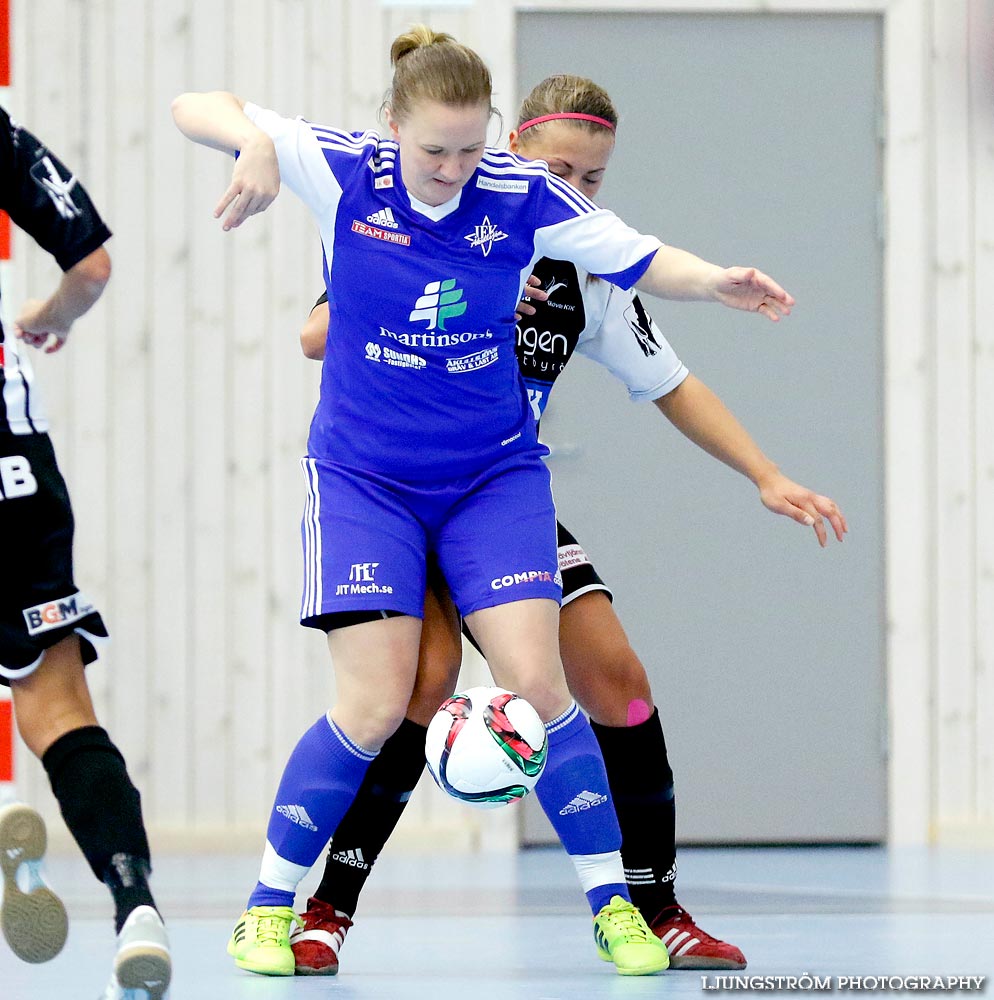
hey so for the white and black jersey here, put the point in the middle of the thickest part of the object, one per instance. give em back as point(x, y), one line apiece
point(609, 325)
point(599, 320)
point(44, 199)
point(40, 603)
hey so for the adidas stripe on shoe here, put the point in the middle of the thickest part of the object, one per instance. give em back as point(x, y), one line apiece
point(32, 918)
point(692, 948)
point(260, 942)
point(317, 942)
point(623, 937)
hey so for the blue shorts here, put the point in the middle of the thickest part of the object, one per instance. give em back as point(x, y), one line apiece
point(366, 538)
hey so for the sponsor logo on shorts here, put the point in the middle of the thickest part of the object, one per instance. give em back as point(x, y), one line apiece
point(374, 232)
point(397, 359)
point(572, 555)
point(362, 580)
point(506, 185)
point(55, 614)
point(512, 579)
point(471, 362)
point(511, 439)
point(16, 478)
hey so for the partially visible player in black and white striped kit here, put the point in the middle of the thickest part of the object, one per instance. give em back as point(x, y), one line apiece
point(48, 630)
point(569, 122)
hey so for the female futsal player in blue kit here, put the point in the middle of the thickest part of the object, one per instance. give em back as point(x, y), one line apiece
point(569, 122)
point(424, 440)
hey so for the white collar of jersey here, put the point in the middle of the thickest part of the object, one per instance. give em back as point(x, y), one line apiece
point(436, 212)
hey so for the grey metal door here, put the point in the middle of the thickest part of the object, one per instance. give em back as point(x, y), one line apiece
point(750, 139)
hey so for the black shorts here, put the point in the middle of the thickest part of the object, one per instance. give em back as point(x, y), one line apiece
point(39, 602)
point(578, 573)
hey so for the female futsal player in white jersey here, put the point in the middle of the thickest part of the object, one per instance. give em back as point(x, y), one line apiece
point(569, 122)
point(423, 440)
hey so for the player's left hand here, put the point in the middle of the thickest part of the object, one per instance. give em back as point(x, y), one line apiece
point(255, 183)
point(35, 329)
point(783, 496)
point(749, 289)
point(534, 292)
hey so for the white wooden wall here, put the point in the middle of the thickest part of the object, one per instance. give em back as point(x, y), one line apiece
point(182, 403)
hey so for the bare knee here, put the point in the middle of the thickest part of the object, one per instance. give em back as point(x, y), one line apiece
point(604, 674)
point(54, 699)
point(614, 692)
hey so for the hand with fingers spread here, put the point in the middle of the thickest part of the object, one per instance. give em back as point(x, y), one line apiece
point(749, 289)
point(255, 183)
point(783, 496)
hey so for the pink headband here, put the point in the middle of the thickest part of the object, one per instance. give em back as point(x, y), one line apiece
point(566, 114)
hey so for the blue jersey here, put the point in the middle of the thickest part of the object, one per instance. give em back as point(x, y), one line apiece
point(420, 379)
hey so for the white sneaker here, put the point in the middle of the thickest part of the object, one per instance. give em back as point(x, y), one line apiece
point(33, 919)
point(142, 967)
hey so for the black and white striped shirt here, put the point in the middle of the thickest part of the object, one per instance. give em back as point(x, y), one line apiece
point(44, 199)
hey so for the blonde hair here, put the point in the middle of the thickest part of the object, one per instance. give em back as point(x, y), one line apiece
point(567, 94)
point(433, 66)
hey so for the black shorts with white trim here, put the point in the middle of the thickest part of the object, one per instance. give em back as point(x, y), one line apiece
point(578, 573)
point(39, 602)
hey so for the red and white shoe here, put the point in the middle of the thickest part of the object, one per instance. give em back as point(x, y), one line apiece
point(692, 948)
point(316, 945)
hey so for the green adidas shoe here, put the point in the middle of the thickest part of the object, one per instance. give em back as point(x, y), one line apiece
point(624, 938)
point(260, 941)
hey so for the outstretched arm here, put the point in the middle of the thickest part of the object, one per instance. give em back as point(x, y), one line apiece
point(217, 119)
point(48, 323)
point(677, 274)
point(702, 417)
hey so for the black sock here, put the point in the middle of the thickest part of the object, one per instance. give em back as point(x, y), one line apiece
point(641, 781)
point(102, 809)
point(376, 810)
point(127, 878)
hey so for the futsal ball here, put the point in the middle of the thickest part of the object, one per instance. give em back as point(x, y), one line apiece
point(486, 746)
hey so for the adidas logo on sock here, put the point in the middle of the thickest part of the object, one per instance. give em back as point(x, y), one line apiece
point(582, 802)
point(352, 858)
point(298, 815)
point(647, 876)
point(384, 217)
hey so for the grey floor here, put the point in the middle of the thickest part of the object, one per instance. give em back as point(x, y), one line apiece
point(487, 926)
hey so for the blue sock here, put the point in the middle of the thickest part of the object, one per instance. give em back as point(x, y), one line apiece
point(319, 782)
point(574, 794)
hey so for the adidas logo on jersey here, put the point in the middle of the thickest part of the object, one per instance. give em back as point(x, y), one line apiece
point(298, 815)
point(582, 802)
point(384, 217)
point(352, 858)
